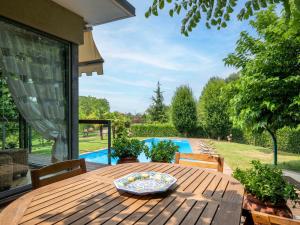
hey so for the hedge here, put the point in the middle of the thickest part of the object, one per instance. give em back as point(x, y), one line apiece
point(153, 130)
point(288, 139)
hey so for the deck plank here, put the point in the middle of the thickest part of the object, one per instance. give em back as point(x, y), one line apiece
point(207, 215)
point(116, 219)
point(210, 190)
point(84, 215)
point(206, 182)
point(195, 213)
point(156, 210)
point(139, 213)
point(98, 218)
point(221, 188)
point(164, 216)
point(58, 196)
point(48, 210)
point(199, 197)
point(180, 214)
point(62, 214)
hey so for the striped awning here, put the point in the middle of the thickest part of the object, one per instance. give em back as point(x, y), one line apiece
point(90, 59)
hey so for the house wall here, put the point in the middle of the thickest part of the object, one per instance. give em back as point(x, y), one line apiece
point(46, 16)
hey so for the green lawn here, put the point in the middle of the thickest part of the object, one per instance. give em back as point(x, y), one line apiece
point(240, 155)
point(236, 155)
point(86, 144)
point(92, 143)
point(39, 147)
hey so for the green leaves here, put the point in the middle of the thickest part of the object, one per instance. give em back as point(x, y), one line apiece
point(268, 90)
point(7, 104)
point(154, 11)
point(214, 12)
point(161, 4)
point(297, 4)
point(213, 108)
point(148, 13)
point(92, 107)
point(184, 111)
point(154, 130)
point(229, 9)
point(266, 183)
point(158, 110)
point(177, 9)
point(163, 151)
point(263, 3)
point(124, 147)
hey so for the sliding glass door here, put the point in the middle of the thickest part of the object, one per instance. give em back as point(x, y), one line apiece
point(34, 76)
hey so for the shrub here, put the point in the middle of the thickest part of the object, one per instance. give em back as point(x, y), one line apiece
point(238, 135)
point(199, 132)
point(124, 147)
point(213, 109)
point(184, 111)
point(12, 141)
point(266, 183)
point(288, 139)
point(154, 130)
point(163, 151)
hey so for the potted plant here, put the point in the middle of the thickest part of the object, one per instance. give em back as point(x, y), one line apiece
point(266, 190)
point(163, 151)
point(127, 150)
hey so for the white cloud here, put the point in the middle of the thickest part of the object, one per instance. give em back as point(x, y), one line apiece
point(138, 52)
point(125, 103)
point(137, 83)
point(166, 56)
point(99, 93)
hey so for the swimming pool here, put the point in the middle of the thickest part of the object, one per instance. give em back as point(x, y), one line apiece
point(101, 155)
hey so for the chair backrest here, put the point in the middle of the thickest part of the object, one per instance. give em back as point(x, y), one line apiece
point(200, 160)
point(57, 172)
point(267, 219)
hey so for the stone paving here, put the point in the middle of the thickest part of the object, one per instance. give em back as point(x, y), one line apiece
point(292, 174)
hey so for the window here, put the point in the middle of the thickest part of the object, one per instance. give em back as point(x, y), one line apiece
point(34, 72)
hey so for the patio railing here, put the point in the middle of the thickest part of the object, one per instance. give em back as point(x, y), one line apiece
point(102, 123)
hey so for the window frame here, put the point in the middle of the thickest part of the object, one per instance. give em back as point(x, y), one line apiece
point(71, 94)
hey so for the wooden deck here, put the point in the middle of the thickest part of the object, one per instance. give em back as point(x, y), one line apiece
point(199, 197)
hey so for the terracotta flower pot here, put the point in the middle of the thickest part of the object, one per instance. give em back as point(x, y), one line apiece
point(252, 203)
point(127, 160)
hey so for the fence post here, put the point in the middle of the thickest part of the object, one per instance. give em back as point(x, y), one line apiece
point(109, 142)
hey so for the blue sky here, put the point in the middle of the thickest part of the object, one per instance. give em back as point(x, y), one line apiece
point(138, 52)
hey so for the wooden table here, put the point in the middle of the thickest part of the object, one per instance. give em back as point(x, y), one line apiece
point(199, 197)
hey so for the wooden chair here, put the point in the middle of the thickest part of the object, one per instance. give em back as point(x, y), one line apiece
point(59, 171)
point(200, 160)
point(267, 219)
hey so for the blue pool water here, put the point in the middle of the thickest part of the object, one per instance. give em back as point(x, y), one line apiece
point(101, 155)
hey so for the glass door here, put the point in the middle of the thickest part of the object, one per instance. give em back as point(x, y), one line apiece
point(33, 103)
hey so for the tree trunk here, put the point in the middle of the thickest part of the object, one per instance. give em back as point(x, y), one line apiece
point(274, 140)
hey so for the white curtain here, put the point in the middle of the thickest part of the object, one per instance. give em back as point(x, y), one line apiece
point(34, 67)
